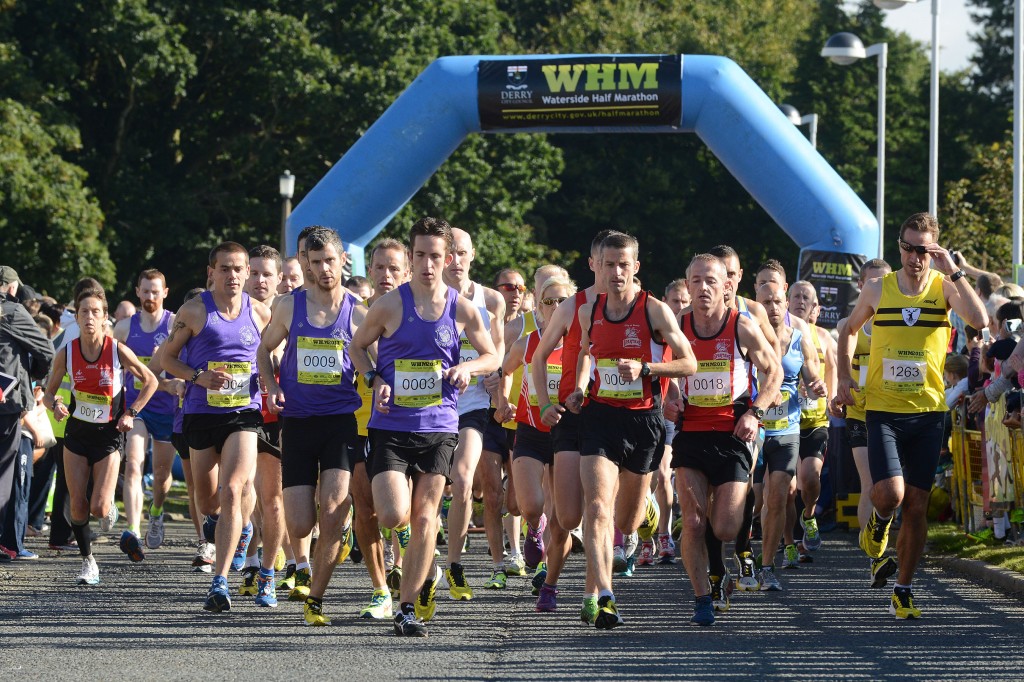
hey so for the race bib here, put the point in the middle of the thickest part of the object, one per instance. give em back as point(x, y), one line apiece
point(905, 372)
point(235, 393)
point(862, 376)
point(710, 386)
point(467, 354)
point(91, 408)
point(614, 386)
point(417, 383)
point(777, 418)
point(554, 379)
point(137, 381)
point(319, 360)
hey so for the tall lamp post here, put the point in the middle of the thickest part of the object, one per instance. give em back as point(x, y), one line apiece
point(286, 185)
point(933, 118)
point(844, 49)
point(811, 120)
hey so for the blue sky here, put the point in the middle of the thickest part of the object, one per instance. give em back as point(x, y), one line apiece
point(955, 25)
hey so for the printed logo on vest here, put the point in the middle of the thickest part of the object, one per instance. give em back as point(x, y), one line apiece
point(631, 336)
point(911, 316)
point(444, 337)
point(247, 336)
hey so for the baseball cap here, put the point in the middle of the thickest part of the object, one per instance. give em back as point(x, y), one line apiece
point(8, 275)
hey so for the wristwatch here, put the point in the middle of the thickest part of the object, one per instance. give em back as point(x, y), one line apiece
point(758, 412)
point(133, 412)
point(369, 377)
point(645, 370)
point(957, 275)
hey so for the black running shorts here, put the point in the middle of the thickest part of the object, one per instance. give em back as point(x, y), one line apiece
point(310, 445)
point(533, 443)
point(905, 445)
point(719, 455)
point(411, 453)
point(629, 438)
point(205, 431)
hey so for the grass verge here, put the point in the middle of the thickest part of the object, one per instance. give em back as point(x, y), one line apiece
point(948, 538)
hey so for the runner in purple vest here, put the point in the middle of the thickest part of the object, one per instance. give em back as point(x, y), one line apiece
point(222, 407)
point(317, 400)
point(143, 332)
point(415, 423)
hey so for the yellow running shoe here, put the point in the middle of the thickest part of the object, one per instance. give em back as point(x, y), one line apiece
point(426, 602)
point(902, 605)
point(279, 560)
point(301, 590)
point(313, 611)
point(458, 588)
point(403, 535)
point(379, 607)
point(649, 526)
point(248, 586)
point(346, 545)
point(874, 536)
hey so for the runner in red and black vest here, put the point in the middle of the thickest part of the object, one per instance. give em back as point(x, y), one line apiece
point(626, 331)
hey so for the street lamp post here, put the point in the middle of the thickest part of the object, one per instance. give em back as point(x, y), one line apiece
point(844, 49)
point(810, 120)
point(933, 117)
point(286, 185)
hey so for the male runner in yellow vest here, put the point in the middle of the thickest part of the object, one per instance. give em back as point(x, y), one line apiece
point(909, 314)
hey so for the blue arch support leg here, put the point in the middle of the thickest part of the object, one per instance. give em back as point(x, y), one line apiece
point(720, 104)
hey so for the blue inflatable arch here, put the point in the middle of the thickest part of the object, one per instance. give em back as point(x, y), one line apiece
point(721, 104)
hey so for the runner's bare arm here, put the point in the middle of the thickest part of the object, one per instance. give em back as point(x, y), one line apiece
point(135, 366)
point(122, 328)
point(190, 321)
point(867, 303)
point(683, 362)
point(554, 331)
point(472, 323)
point(575, 401)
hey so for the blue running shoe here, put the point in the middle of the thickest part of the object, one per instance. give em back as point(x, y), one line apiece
point(218, 599)
point(238, 562)
point(266, 593)
point(210, 528)
point(704, 611)
point(131, 546)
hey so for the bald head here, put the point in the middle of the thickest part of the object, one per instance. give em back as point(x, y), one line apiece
point(773, 297)
point(457, 273)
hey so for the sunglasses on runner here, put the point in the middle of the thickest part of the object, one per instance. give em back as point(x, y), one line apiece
point(509, 286)
point(554, 300)
point(908, 247)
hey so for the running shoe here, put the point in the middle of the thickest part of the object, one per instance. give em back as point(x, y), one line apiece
point(618, 559)
point(403, 534)
point(70, 546)
point(719, 593)
point(515, 565)
point(607, 614)
point(218, 599)
point(630, 543)
point(313, 612)
point(132, 546)
point(812, 537)
point(666, 549)
point(755, 528)
point(406, 625)
point(588, 614)
point(541, 575)
point(576, 537)
point(533, 546)
point(630, 566)
point(301, 590)
point(346, 545)
point(874, 536)
point(652, 515)
point(446, 504)
point(881, 570)
point(288, 581)
point(90, 574)
point(703, 611)
point(210, 528)
point(426, 602)
point(458, 588)
point(498, 580)
point(477, 519)
point(769, 581)
point(248, 587)
point(805, 556)
point(280, 561)
point(902, 604)
point(155, 532)
point(746, 581)
point(380, 606)
point(646, 554)
point(677, 529)
point(25, 555)
point(206, 554)
point(266, 594)
point(238, 562)
point(108, 521)
point(547, 600)
point(394, 581)
point(389, 553)
point(792, 558)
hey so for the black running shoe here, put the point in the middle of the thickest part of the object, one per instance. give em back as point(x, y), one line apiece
point(881, 570)
point(406, 625)
point(607, 614)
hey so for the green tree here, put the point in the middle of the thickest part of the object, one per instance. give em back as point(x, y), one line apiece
point(980, 211)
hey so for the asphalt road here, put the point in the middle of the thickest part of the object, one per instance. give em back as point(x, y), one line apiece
point(145, 621)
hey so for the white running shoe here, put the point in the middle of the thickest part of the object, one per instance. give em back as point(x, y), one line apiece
point(90, 574)
point(108, 521)
point(155, 532)
point(206, 554)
